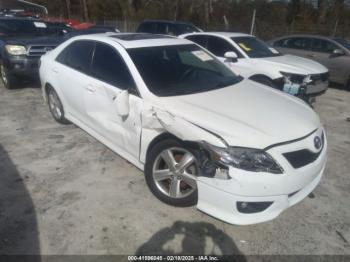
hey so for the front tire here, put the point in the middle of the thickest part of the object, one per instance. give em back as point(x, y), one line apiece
point(8, 79)
point(171, 172)
point(56, 107)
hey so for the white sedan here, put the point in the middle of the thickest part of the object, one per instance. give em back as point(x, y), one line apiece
point(241, 151)
point(250, 57)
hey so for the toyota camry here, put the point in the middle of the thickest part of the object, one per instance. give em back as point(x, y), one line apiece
point(241, 151)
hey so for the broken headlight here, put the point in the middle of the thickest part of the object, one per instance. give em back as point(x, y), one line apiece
point(290, 78)
point(248, 159)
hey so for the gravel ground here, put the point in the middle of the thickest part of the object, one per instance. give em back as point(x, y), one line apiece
point(62, 192)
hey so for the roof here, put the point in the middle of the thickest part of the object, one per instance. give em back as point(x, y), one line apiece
point(18, 18)
point(137, 40)
point(303, 35)
point(167, 21)
point(141, 36)
point(224, 34)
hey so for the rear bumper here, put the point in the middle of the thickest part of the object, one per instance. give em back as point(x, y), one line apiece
point(23, 66)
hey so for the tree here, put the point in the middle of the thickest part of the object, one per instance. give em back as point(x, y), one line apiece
point(84, 8)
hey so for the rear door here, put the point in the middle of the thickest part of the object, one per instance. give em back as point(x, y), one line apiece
point(71, 70)
point(110, 76)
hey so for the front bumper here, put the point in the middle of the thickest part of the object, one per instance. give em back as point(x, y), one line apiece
point(221, 198)
point(316, 87)
point(23, 65)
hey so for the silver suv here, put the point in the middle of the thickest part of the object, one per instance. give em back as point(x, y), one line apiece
point(333, 53)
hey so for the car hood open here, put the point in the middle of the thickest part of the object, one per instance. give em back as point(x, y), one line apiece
point(247, 114)
point(293, 64)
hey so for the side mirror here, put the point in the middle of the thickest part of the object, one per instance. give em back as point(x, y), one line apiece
point(122, 103)
point(337, 52)
point(231, 57)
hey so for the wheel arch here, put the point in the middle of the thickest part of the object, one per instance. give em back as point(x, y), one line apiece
point(164, 136)
point(260, 76)
point(157, 139)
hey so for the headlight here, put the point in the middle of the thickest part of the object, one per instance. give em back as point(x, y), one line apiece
point(294, 78)
point(248, 159)
point(16, 49)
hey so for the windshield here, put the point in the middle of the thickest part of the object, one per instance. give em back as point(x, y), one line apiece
point(254, 47)
point(345, 43)
point(181, 69)
point(25, 28)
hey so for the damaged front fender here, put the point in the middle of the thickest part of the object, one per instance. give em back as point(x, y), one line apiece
point(157, 121)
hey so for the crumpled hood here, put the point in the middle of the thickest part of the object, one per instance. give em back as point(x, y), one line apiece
point(247, 114)
point(293, 64)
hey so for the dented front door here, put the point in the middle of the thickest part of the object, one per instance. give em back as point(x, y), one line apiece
point(110, 76)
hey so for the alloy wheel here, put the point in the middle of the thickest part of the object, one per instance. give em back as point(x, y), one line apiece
point(4, 75)
point(55, 105)
point(175, 172)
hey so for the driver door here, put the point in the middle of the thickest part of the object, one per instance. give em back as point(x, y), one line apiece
point(109, 77)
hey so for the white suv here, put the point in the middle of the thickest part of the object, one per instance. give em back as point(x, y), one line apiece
point(252, 58)
point(241, 151)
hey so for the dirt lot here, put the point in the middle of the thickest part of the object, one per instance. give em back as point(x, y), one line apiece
point(62, 192)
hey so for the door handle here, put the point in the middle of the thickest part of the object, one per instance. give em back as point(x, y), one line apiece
point(54, 70)
point(310, 55)
point(90, 88)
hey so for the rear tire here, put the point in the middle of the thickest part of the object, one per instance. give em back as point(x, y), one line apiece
point(8, 79)
point(347, 85)
point(168, 177)
point(56, 107)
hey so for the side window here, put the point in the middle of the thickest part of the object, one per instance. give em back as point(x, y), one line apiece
point(281, 43)
point(147, 27)
point(198, 39)
point(108, 66)
point(299, 43)
point(162, 28)
point(173, 30)
point(322, 46)
point(219, 47)
point(77, 55)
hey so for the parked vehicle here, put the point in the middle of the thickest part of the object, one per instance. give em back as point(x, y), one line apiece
point(22, 42)
point(166, 27)
point(334, 53)
point(252, 58)
point(107, 28)
point(242, 151)
point(88, 31)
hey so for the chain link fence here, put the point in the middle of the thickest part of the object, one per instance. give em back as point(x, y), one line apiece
point(262, 29)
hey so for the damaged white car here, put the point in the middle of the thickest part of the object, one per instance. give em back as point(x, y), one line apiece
point(241, 151)
point(252, 58)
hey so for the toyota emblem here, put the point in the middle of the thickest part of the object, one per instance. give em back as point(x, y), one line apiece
point(317, 142)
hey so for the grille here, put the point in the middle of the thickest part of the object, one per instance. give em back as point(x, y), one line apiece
point(39, 50)
point(303, 157)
